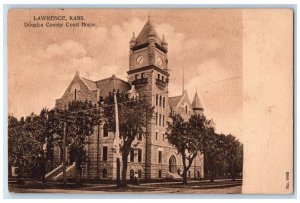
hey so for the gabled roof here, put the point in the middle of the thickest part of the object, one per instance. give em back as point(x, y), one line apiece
point(90, 84)
point(196, 104)
point(107, 85)
point(173, 101)
point(112, 83)
point(142, 38)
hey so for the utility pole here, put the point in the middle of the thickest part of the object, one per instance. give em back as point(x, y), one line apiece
point(64, 154)
point(117, 141)
point(182, 81)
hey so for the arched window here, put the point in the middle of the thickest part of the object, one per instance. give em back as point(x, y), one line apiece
point(105, 130)
point(104, 173)
point(140, 173)
point(131, 174)
point(186, 109)
point(172, 164)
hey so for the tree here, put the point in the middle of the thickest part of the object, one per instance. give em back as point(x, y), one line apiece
point(80, 119)
point(222, 154)
point(234, 156)
point(28, 136)
point(23, 147)
point(187, 137)
point(213, 157)
point(135, 114)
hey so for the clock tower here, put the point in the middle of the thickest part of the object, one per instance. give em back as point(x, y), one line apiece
point(148, 49)
point(148, 72)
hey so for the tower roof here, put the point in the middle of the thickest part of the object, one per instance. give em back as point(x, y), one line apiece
point(196, 104)
point(148, 28)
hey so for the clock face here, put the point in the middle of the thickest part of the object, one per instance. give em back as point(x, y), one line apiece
point(139, 59)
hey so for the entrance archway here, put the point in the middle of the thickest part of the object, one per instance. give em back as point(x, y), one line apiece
point(172, 164)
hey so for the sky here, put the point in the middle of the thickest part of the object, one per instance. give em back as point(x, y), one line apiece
point(204, 44)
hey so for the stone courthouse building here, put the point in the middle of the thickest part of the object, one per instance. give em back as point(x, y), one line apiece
point(153, 157)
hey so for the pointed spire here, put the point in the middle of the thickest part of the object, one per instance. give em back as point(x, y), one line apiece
point(147, 33)
point(182, 81)
point(164, 42)
point(152, 31)
point(133, 36)
point(149, 18)
point(163, 39)
point(133, 40)
point(196, 104)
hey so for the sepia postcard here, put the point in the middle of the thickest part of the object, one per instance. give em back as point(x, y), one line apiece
point(150, 101)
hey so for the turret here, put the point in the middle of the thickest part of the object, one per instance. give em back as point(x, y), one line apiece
point(132, 41)
point(197, 105)
point(164, 43)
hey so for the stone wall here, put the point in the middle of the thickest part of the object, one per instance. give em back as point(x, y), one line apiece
point(82, 93)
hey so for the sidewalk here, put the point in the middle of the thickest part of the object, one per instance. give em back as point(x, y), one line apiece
point(190, 181)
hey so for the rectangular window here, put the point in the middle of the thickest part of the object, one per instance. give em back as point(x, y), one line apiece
point(164, 102)
point(189, 174)
point(139, 155)
point(156, 135)
point(142, 75)
point(132, 155)
point(160, 157)
point(163, 137)
point(159, 119)
point(158, 76)
point(136, 76)
point(156, 99)
point(156, 118)
point(160, 100)
point(162, 78)
point(198, 174)
point(105, 151)
point(105, 130)
point(163, 121)
point(159, 173)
